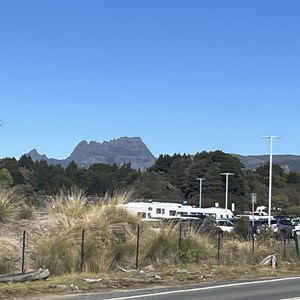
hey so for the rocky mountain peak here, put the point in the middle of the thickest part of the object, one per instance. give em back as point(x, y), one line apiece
point(36, 156)
point(117, 151)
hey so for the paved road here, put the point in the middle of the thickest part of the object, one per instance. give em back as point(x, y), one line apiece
point(268, 289)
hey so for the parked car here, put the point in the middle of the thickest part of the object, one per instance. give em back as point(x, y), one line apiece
point(263, 227)
point(281, 217)
point(225, 225)
point(296, 227)
point(296, 221)
point(283, 229)
point(256, 225)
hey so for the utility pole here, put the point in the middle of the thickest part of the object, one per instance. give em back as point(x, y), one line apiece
point(200, 190)
point(270, 137)
point(226, 193)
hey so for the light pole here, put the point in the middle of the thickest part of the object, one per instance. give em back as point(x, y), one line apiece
point(200, 192)
point(226, 194)
point(270, 137)
point(253, 201)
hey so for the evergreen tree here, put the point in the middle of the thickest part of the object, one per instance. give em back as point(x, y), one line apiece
point(5, 177)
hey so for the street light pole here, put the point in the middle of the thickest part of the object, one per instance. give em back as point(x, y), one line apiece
point(200, 189)
point(226, 193)
point(270, 137)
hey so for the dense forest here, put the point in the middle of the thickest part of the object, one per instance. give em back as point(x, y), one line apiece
point(170, 179)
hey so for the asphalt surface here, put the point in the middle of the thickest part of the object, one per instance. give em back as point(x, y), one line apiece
point(267, 289)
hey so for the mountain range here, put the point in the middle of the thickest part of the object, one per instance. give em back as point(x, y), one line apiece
point(290, 163)
point(117, 151)
point(132, 149)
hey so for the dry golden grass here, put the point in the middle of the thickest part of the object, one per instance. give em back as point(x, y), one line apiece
point(11, 204)
point(72, 205)
point(118, 197)
point(8, 246)
point(110, 236)
point(160, 245)
point(8, 261)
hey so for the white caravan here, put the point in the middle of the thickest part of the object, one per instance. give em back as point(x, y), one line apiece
point(259, 214)
point(165, 210)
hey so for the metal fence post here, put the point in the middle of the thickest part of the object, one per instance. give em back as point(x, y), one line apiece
point(253, 238)
point(137, 247)
point(23, 251)
point(82, 251)
point(295, 237)
point(219, 245)
point(179, 242)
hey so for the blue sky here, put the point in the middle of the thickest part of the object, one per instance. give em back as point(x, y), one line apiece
point(185, 76)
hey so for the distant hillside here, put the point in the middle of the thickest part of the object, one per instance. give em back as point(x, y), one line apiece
point(118, 151)
point(287, 162)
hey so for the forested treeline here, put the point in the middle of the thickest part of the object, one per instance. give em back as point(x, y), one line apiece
point(171, 178)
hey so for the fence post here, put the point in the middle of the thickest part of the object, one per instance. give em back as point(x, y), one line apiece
point(219, 245)
point(284, 247)
point(295, 237)
point(253, 239)
point(137, 247)
point(179, 242)
point(82, 251)
point(23, 251)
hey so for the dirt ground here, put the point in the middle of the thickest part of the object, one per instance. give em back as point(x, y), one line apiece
point(11, 237)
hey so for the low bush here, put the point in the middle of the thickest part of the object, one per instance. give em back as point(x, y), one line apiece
point(243, 229)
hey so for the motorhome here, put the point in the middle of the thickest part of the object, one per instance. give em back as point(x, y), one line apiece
point(259, 214)
point(261, 209)
point(165, 210)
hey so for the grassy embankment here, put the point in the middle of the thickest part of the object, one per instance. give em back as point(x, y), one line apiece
point(54, 242)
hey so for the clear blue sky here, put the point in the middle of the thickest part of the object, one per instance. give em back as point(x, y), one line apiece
point(185, 76)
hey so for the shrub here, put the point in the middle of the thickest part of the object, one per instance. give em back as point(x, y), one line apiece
point(242, 229)
point(196, 248)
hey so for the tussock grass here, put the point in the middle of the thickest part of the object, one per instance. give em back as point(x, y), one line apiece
point(197, 248)
point(236, 252)
point(9, 263)
point(241, 252)
point(28, 212)
point(57, 252)
point(117, 197)
point(110, 236)
point(109, 240)
point(104, 250)
point(71, 204)
point(11, 204)
point(161, 245)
